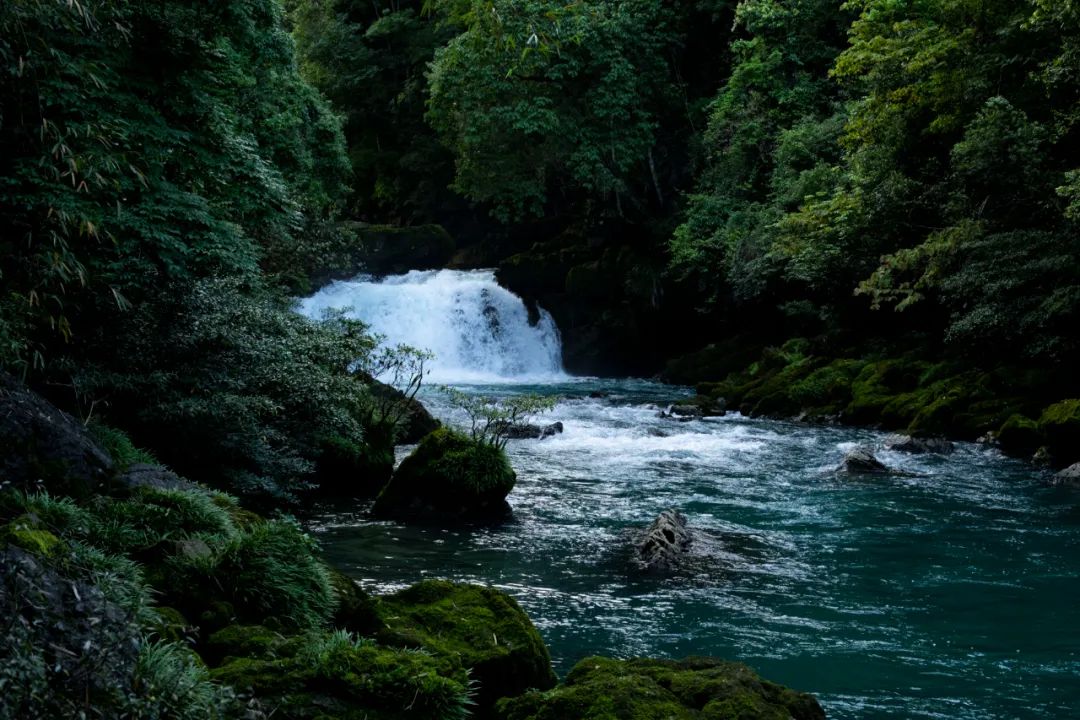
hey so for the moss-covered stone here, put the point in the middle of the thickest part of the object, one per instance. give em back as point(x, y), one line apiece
point(240, 641)
point(449, 476)
point(28, 533)
point(478, 628)
point(693, 689)
point(1019, 435)
point(170, 624)
point(1060, 426)
point(355, 611)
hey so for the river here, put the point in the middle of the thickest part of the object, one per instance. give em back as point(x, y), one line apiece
point(951, 591)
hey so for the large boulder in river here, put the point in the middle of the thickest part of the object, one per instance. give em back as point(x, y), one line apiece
point(861, 461)
point(40, 446)
point(449, 476)
point(644, 689)
point(919, 445)
point(481, 628)
point(1069, 476)
point(663, 545)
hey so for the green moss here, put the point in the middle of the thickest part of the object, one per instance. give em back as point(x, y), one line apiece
point(1060, 426)
point(694, 689)
point(448, 474)
point(827, 389)
point(170, 624)
point(475, 627)
point(241, 641)
point(1019, 435)
point(27, 533)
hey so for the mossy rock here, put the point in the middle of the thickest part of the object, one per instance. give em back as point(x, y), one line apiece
point(1060, 426)
point(478, 628)
point(332, 675)
point(449, 476)
point(355, 610)
point(693, 689)
point(240, 641)
point(26, 532)
point(1019, 435)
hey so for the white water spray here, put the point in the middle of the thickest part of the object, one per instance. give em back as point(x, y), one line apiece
point(478, 331)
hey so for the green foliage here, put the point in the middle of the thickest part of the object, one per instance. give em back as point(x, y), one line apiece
point(769, 146)
point(336, 675)
point(113, 188)
point(119, 446)
point(245, 390)
point(492, 419)
point(369, 60)
point(270, 571)
point(537, 95)
point(175, 684)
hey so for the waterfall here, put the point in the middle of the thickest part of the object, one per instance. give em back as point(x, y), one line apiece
point(478, 331)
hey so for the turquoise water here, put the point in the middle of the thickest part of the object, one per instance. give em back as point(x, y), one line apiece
point(951, 593)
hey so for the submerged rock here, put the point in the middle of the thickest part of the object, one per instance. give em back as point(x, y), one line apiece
point(693, 689)
point(1068, 476)
point(530, 431)
point(449, 476)
point(919, 445)
point(40, 446)
point(663, 545)
point(477, 628)
point(861, 461)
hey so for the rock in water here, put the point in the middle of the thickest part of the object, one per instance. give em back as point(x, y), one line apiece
point(529, 431)
point(861, 461)
point(663, 545)
point(704, 688)
point(1069, 476)
point(41, 446)
point(918, 445)
point(449, 477)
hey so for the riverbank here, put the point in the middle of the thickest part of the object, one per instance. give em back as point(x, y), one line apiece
point(1027, 413)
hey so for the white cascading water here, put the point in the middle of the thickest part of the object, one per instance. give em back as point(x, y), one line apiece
point(478, 331)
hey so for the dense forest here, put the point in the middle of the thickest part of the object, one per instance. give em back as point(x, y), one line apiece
point(865, 211)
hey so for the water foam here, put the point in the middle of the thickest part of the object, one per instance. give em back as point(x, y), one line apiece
point(478, 331)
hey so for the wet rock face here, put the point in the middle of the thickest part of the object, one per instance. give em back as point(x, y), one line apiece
point(861, 461)
point(663, 545)
point(41, 446)
point(531, 432)
point(1069, 476)
point(919, 446)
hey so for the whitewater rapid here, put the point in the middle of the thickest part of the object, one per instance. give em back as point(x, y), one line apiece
point(478, 331)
